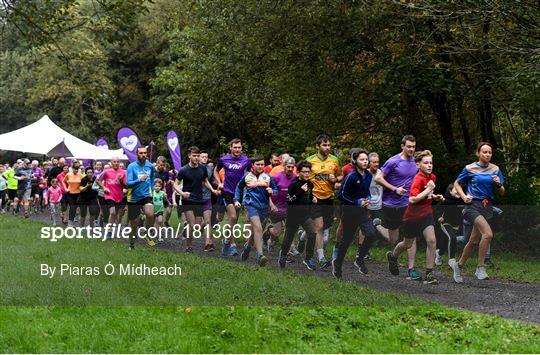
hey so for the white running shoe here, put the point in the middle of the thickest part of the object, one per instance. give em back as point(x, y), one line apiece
point(438, 258)
point(458, 277)
point(481, 273)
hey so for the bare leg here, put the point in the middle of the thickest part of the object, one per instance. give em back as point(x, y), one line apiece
point(486, 236)
point(474, 240)
point(411, 253)
point(257, 229)
point(429, 234)
point(233, 218)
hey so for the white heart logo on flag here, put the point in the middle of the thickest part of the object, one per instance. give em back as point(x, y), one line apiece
point(129, 142)
point(173, 142)
point(104, 146)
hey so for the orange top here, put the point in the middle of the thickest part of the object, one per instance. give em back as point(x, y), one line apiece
point(73, 182)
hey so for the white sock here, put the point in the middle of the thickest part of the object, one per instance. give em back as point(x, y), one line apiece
point(320, 254)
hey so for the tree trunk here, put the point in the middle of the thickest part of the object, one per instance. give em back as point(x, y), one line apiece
point(439, 105)
point(463, 124)
point(486, 110)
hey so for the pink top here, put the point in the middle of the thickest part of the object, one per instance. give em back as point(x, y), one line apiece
point(55, 194)
point(60, 178)
point(114, 180)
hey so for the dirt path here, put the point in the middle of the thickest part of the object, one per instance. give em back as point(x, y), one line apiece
point(495, 296)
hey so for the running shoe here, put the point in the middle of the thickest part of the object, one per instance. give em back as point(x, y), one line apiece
point(392, 263)
point(336, 270)
point(150, 242)
point(412, 274)
point(367, 257)
point(234, 250)
point(310, 264)
point(132, 247)
point(323, 263)
point(430, 279)
point(209, 248)
point(189, 250)
point(262, 260)
point(438, 258)
point(376, 222)
point(245, 252)
point(282, 261)
point(225, 247)
point(458, 277)
point(481, 273)
point(361, 265)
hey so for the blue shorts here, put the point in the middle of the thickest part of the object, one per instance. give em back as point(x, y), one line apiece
point(262, 213)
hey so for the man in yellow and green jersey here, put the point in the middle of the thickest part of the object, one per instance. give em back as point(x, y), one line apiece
point(325, 172)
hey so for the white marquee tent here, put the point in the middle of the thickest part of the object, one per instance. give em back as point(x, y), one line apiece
point(46, 138)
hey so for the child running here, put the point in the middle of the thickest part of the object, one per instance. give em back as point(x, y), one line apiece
point(299, 200)
point(354, 195)
point(55, 194)
point(160, 202)
point(418, 217)
point(259, 188)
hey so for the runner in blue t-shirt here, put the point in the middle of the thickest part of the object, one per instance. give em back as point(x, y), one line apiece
point(259, 188)
point(481, 178)
point(140, 183)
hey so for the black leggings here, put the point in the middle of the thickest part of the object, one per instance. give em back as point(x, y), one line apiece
point(446, 239)
point(71, 200)
point(105, 211)
point(90, 206)
point(296, 219)
point(352, 218)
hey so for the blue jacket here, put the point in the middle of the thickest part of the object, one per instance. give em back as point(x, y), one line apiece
point(355, 187)
point(256, 194)
point(137, 189)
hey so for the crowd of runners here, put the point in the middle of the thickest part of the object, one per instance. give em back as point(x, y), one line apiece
point(288, 206)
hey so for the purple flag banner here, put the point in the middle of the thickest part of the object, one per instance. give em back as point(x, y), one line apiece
point(129, 141)
point(102, 143)
point(174, 148)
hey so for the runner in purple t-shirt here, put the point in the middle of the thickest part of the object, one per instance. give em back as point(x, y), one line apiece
point(235, 165)
point(396, 178)
point(282, 179)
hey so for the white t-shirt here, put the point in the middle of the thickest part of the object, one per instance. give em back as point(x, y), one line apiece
point(376, 191)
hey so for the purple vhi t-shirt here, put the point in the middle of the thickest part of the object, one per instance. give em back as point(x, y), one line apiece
point(234, 170)
point(282, 182)
point(398, 172)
